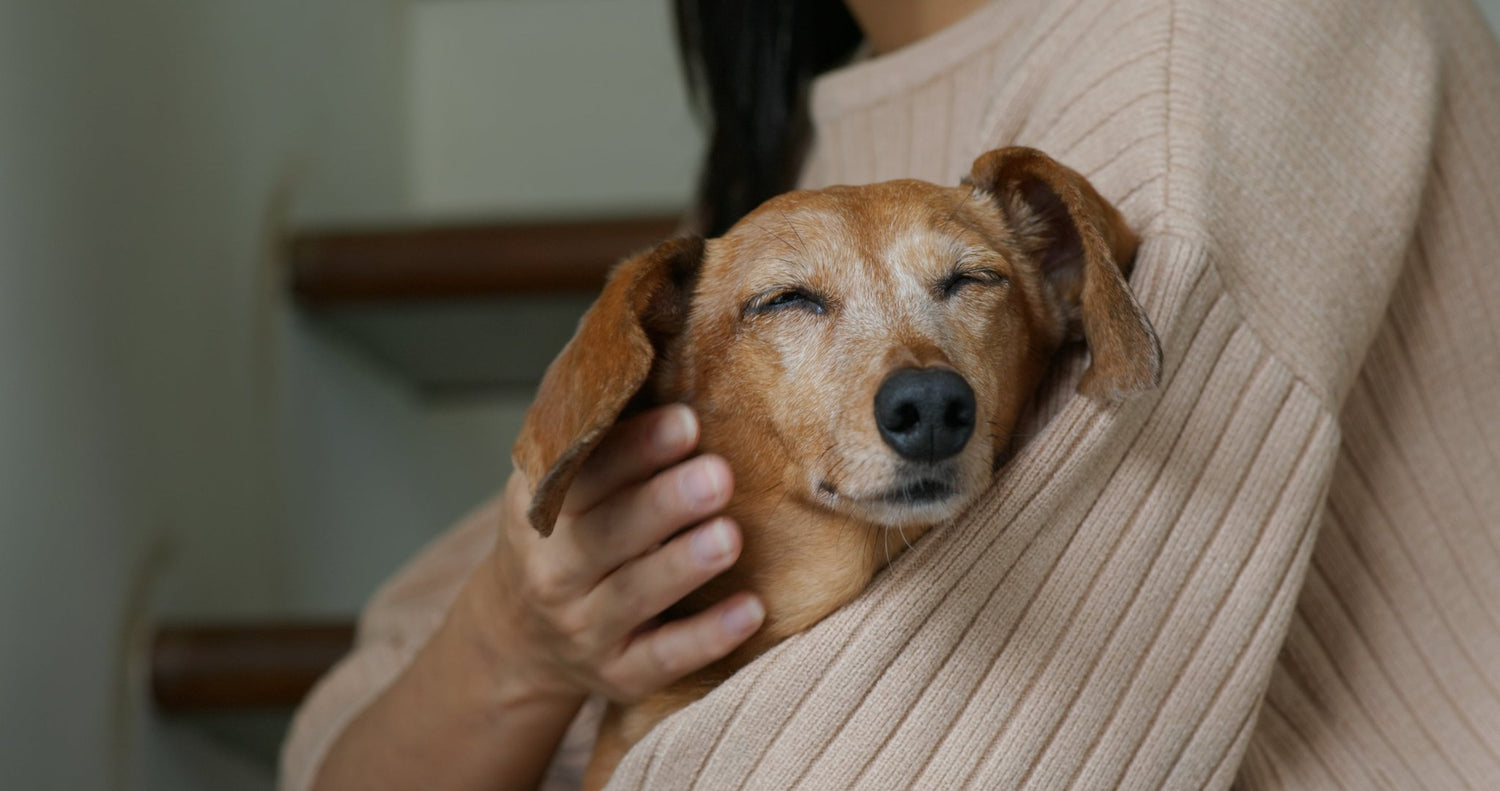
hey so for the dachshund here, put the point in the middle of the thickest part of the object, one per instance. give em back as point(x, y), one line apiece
point(860, 357)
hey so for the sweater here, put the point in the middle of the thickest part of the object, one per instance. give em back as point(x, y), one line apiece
point(1281, 569)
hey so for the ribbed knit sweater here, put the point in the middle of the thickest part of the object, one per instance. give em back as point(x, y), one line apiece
point(1281, 569)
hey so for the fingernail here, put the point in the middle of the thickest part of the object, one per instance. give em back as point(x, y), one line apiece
point(712, 543)
point(676, 428)
point(703, 483)
point(743, 618)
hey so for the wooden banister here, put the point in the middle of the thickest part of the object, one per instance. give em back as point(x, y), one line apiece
point(349, 266)
point(212, 667)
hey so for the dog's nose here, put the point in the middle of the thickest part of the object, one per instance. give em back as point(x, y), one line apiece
point(925, 414)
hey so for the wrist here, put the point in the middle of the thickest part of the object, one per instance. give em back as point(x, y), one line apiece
point(486, 628)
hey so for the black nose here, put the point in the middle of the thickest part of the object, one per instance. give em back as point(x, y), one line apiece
point(925, 414)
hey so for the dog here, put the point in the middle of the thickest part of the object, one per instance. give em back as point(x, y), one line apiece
point(860, 356)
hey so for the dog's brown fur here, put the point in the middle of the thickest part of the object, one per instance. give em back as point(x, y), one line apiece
point(988, 279)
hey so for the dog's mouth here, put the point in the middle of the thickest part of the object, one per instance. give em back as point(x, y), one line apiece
point(923, 491)
point(911, 491)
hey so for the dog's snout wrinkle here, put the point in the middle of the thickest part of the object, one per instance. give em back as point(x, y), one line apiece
point(925, 414)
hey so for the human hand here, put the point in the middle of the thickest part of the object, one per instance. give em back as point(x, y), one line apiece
point(575, 611)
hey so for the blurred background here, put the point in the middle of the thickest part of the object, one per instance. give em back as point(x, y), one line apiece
point(186, 440)
point(276, 280)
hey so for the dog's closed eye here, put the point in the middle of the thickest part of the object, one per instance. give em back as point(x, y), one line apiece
point(784, 298)
point(968, 276)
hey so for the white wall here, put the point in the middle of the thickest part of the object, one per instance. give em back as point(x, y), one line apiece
point(174, 440)
point(548, 106)
point(143, 348)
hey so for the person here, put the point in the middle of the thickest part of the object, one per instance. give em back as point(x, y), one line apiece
point(1277, 571)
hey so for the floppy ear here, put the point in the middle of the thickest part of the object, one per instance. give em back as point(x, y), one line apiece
point(1085, 250)
point(604, 365)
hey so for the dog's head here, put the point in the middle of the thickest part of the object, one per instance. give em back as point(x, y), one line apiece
point(865, 350)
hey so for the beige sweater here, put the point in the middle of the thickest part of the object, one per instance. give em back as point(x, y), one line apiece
point(1282, 568)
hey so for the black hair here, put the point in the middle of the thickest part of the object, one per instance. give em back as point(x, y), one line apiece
point(748, 65)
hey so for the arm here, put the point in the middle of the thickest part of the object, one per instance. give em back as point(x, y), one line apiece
point(540, 624)
point(458, 717)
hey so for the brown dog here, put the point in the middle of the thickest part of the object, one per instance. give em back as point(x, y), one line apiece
point(859, 355)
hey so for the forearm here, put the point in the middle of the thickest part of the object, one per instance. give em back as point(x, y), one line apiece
point(457, 718)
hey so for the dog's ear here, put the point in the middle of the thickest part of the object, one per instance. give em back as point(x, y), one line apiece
point(1085, 250)
point(604, 365)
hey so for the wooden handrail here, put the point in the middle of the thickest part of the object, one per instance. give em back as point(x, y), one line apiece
point(204, 667)
point(345, 266)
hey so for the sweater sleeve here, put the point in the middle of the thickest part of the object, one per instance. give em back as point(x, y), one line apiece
point(1299, 139)
point(1389, 675)
point(1112, 612)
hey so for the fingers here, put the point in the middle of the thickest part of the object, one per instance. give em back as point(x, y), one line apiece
point(629, 523)
point(605, 641)
point(633, 520)
point(642, 589)
point(613, 563)
point(632, 452)
point(658, 657)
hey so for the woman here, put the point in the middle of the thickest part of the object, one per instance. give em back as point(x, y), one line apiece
point(1277, 569)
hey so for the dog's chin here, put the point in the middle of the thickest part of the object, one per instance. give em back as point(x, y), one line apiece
point(909, 513)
